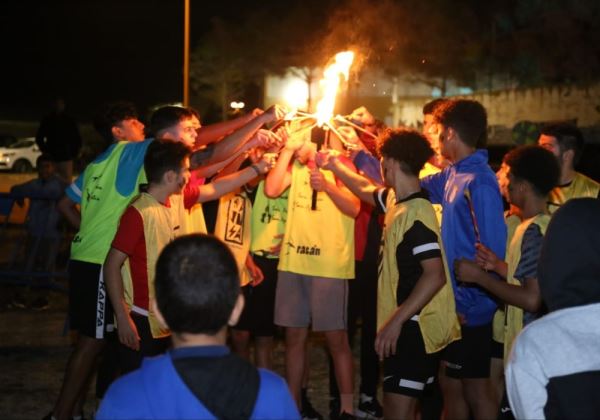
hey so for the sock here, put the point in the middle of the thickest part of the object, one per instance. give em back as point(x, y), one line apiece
point(365, 398)
point(347, 404)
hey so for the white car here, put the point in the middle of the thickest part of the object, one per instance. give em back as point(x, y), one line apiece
point(20, 156)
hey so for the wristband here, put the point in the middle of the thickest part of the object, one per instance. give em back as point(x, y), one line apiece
point(256, 169)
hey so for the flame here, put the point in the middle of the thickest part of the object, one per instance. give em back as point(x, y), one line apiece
point(330, 84)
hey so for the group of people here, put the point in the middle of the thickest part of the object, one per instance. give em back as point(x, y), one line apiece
point(407, 229)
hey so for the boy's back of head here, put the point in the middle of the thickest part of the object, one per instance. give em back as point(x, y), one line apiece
point(467, 117)
point(408, 147)
point(197, 284)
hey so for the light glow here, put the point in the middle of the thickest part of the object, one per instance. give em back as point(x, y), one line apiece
point(296, 94)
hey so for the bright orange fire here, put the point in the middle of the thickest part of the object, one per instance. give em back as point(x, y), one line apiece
point(330, 84)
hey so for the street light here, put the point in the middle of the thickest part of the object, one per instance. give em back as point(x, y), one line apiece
point(186, 53)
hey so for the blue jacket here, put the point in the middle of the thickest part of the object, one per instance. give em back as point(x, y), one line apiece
point(156, 391)
point(470, 176)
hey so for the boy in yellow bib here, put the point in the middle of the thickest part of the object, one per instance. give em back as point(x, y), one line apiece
point(532, 173)
point(416, 314)
point(315, 262)
point(151, 221)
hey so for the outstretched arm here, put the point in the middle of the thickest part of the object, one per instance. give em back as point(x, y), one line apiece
point(345, 201)
point(360, 186)
point(211, 133)
point(280, 177)
point(228, 183)
point(527, 297)
point(230, 144)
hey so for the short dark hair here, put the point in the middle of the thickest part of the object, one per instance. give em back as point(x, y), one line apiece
point(467, 117)
point(44, 157)
point(430, 107)
point(535, 165)
point(163, 156)
point(168, 116)
point(409, 147)
point(197, 284)
point(568, 137)
point(112, 114)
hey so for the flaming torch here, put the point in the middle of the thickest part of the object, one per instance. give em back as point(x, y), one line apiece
point(339, 69)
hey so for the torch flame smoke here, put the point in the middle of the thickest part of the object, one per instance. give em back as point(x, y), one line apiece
point(330, 84)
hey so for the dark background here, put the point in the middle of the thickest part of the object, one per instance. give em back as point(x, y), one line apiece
point(91, 51)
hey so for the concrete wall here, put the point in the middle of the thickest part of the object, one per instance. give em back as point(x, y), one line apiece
point(506, 108)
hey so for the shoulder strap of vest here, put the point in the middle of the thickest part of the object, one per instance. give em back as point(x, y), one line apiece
point(226, 385)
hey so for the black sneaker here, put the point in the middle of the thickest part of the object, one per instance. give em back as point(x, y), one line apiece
point(369, 408)
point(346, 416)
point(307, 411)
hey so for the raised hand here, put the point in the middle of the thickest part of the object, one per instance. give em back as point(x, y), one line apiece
point(264, 139)
point(294, 142)
point(363, 116)
point(274, 113)
point(485, 257)
point(317, 179)
point(325, 159)
point(264, 165)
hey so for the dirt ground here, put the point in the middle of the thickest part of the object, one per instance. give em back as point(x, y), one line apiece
point(34, 350)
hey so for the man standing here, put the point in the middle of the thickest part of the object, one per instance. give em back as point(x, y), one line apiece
point(316, 259)
point(59, 137)
point(472, 212)
point(566, 142)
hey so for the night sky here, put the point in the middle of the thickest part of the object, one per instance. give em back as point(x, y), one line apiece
point(91, 51)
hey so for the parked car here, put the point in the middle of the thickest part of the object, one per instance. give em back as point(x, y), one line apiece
point(20, 156)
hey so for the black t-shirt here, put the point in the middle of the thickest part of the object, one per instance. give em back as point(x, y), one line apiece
point(418, 243)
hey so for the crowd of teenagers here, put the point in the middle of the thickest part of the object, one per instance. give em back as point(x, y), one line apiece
point(478, 292)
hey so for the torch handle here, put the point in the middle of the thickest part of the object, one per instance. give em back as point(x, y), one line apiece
point(313, 204)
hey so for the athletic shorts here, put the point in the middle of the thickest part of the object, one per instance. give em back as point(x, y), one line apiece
point(257, 316)
point(304, 300)
point(411, 369)
point(497, 350)
point(470, 357)
point(90, 311)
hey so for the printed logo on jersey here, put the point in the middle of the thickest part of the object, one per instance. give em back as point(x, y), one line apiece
point(234, 229)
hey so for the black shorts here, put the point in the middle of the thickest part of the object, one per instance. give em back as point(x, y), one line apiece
point(411, 369)
point(257, 316)
point(470, 357)
point(90, 311)
point(497, 350)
